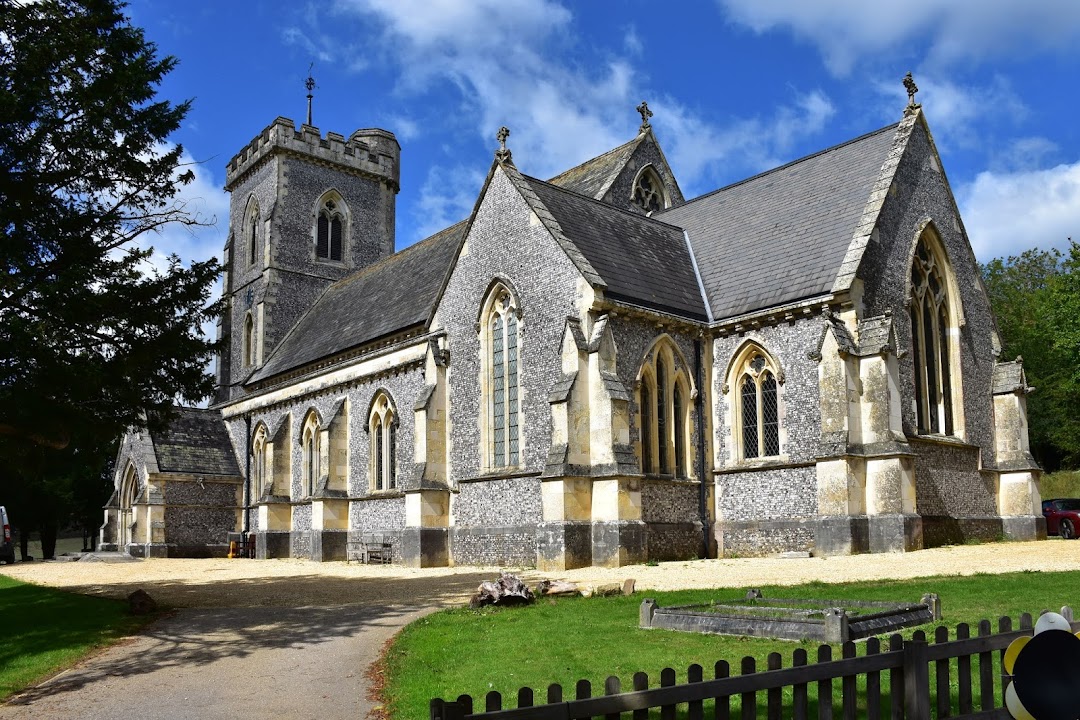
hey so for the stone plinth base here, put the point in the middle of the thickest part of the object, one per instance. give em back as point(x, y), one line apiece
point(422, 547)
point(328, 545)
point(563, 545)
point(270, 545)
point(618, 543)
point(895, 533)
point(1024, 527)
point(841, 535)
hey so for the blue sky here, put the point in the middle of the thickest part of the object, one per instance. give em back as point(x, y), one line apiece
point(737, 87)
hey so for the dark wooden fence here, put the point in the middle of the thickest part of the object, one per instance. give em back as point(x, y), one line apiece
point(907, 680)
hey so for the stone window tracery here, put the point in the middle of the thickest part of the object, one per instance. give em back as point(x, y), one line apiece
point(932, 355)
point(382, 427)
point(756, 420)
point(502, 379)
point(648, 191)
point(259, 462)
point(329, 229)
point(663, 411)
point(311, 445)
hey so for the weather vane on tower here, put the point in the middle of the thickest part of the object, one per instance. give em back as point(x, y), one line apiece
point(310, 85)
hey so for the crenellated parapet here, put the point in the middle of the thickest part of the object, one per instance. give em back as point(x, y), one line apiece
point(371, 152)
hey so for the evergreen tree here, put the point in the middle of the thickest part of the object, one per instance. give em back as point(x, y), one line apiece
point(92, 338)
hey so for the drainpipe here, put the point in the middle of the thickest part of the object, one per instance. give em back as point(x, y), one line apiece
point(247, 483)
point(703, 510)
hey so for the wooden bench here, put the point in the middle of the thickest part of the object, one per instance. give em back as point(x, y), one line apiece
point(370, 548)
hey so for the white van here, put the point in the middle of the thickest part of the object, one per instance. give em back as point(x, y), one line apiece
point(7, 538)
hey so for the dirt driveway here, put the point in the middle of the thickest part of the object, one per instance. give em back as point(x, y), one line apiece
point(293, 639)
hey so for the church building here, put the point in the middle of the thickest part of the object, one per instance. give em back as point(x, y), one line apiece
point(592, 369)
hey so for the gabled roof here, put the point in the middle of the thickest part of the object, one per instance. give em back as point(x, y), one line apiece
point(593, 177)
point(195, 442)
point(782, 236)
point(641, 261)
point(392, 295)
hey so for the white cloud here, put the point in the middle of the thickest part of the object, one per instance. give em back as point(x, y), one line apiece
point(1007, 213)
point(447, 197)
point(941, 31)
point(632, 41)
point(1026, 153)
point(503, 58)
point(957, 112)
point(508, 60)
point(704, 154)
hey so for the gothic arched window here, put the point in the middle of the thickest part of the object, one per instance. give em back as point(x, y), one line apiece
point(649, 191)
point(382, 426)
point(757, 404)
point(311, 453)
point(501, 385)
point(259, 463)
point(251, 231)
point(663, 411)
point(931, 322)
point(329, 229)
point(250, 342)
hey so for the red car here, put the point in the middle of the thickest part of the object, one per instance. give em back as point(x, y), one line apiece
point(1062, 517)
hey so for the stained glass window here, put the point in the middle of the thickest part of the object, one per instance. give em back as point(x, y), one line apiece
point(383, 428)
point(759, 409)
point(661, 415)
point(680, 434)
point(663, 412)
point(504, 426)
point(931, 355)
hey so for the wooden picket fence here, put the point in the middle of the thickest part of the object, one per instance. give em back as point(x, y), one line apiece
point(918, 675)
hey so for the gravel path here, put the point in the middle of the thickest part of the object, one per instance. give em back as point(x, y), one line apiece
point(298, 583)
point(293, 639)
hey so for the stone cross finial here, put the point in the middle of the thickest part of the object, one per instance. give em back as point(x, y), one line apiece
point(912, 88)
point(646, 113)
point(310, 85)
point(503, 154)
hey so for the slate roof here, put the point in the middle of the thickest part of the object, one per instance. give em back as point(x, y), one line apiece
point(396, 293)
point(782, 235)
point(593, 177)
point(642, 261)
point(195, 442)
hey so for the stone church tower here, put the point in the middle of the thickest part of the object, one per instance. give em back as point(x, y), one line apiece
point(305, 211)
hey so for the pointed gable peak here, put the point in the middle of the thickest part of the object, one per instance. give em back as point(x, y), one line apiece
point(634, 176)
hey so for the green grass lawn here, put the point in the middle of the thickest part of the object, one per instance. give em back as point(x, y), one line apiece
point(43, 630)
point(473, 652)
